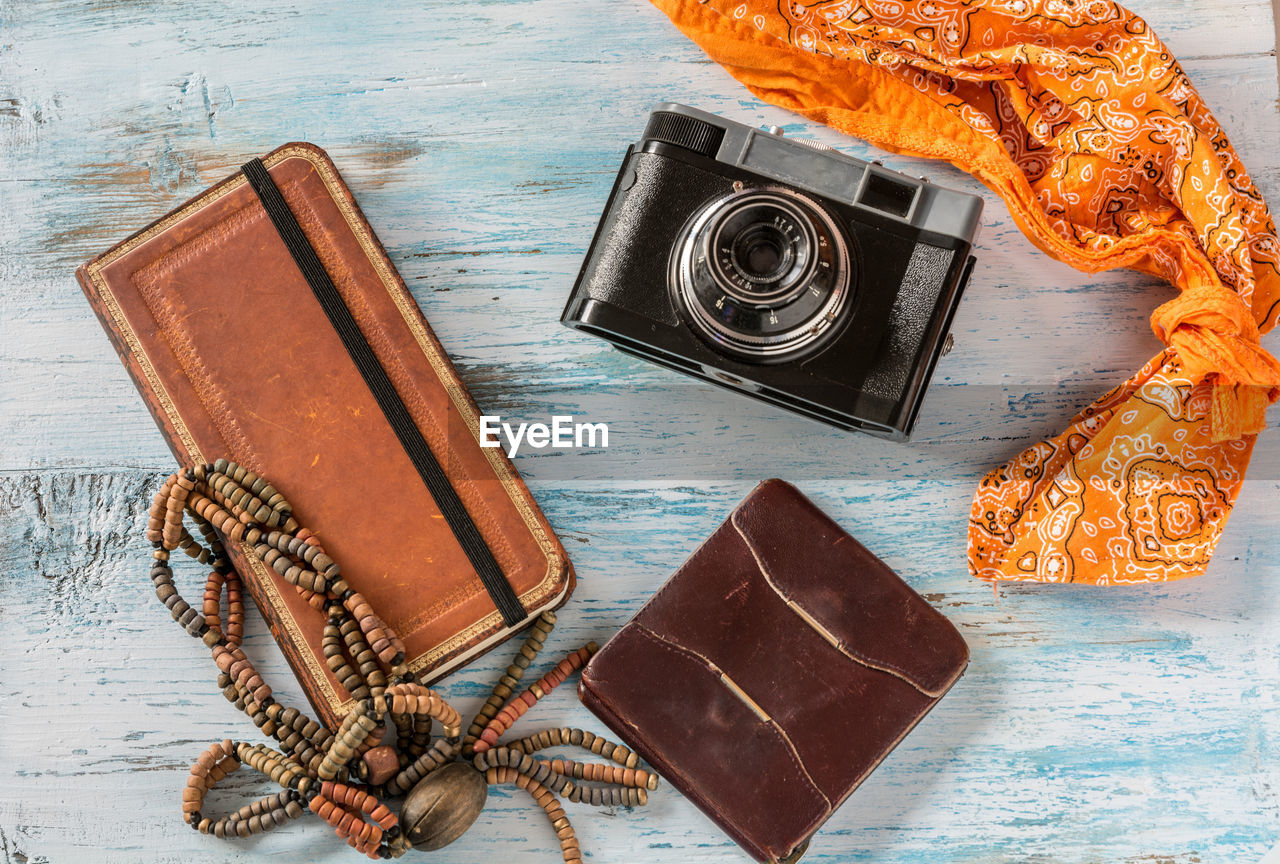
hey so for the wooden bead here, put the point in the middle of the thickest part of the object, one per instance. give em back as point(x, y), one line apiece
point(502, 691)
point(440, 753)
point(547, 801)
point(382, 764)
point(442, 806)
point(226, 500)
point(342, 807)
point(517, 707)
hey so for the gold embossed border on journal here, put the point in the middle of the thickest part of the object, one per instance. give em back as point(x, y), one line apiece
point(505, 473)
point(265, 578)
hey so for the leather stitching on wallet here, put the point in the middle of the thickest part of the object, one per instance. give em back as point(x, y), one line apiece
point(809, 621)
point(742, 697)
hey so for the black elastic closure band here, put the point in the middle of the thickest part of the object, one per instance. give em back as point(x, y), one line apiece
point(393, 407)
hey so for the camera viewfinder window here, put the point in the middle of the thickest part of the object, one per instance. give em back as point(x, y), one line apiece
point(888, 195)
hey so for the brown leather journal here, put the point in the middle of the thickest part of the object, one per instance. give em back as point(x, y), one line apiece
point(774, 671)
point(238, 353)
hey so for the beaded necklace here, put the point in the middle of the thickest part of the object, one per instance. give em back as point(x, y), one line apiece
point(343, 776)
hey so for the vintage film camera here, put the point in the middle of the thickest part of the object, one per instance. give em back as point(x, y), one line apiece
point(779, 268)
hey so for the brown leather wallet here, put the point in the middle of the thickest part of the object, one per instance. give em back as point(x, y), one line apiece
point(237, 355)
point(774, 671)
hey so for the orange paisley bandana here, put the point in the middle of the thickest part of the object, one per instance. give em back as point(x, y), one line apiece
point(1077, 115)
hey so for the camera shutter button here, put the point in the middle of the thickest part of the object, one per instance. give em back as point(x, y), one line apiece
point(775, 130)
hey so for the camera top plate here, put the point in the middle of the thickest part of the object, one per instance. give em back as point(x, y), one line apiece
point(820, 169)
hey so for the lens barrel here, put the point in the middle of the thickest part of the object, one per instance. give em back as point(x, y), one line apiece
point(763, 273)
point(762, 253)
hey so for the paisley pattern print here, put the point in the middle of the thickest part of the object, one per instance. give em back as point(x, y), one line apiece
point(1132, 491)
point(1080, 118)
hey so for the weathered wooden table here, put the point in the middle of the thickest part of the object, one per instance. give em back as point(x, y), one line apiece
point(481, 139)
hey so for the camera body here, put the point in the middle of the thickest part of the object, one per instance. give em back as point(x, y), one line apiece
point(778, 268)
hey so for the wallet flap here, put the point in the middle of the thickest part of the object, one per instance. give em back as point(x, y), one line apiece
point(709, 733)
point(875, 618)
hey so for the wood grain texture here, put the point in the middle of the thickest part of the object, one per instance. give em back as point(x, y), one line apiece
point(1093, 726)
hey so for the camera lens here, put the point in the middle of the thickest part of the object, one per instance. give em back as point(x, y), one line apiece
point(761, 253)
point(761, 249)
point(763, 273)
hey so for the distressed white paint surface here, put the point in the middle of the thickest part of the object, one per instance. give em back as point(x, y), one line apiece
point(1128, 725)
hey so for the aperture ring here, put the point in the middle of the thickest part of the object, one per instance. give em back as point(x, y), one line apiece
point(740, 316)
